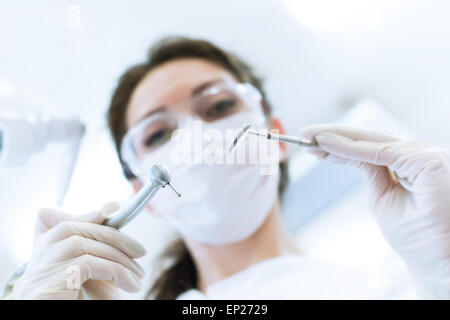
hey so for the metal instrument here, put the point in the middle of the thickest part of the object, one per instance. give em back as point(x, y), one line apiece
point(270, 136)
point(159, 178)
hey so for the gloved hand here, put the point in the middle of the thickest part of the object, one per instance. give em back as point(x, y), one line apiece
point(413, 215)
point(76, 255)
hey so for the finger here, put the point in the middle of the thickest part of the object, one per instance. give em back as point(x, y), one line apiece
point(96, 268)
point(76, 246)
point(102, 290)
point(110, 207)
point(379, 178)
point(101, 233)
point(391, 154)
point(48, 218)
point(354, 133)
point(321, 154)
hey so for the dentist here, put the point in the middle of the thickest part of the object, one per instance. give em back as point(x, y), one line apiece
point(233, 244)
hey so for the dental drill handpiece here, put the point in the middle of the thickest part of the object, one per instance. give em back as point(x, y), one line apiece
point(159, 178)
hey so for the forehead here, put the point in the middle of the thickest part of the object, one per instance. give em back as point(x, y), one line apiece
point(172, 83)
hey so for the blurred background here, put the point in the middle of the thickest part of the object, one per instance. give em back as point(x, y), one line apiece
point(376, 63)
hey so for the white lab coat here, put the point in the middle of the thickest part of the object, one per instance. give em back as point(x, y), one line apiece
point(301, 277)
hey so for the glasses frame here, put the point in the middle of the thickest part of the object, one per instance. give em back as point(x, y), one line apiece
point(250, 95)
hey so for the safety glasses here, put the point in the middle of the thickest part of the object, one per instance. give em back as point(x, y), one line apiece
point(215, 103)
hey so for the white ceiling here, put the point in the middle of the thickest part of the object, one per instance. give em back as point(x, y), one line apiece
point(395, 51)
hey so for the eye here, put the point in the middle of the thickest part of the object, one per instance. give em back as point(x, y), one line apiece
point(158, 138)
point(221, 108)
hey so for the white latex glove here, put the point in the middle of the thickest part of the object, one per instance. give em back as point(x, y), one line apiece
point(413, 215)
point(65, 244)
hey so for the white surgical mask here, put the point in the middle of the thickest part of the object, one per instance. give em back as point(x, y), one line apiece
point(220, 203)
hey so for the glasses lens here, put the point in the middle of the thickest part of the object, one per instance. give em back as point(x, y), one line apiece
point(152, 134)
point(218, 104)
point(213, 104)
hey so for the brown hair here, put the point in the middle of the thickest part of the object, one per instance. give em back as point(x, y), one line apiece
point(181, 274)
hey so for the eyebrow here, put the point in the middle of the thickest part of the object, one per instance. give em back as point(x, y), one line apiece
point(194, 92)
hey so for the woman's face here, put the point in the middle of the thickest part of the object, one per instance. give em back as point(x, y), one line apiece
point(166, 87)
point(172, 83)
